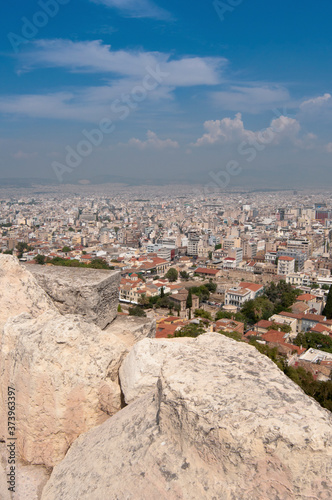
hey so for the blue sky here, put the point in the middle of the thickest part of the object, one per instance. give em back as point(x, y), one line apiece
point(173, 91)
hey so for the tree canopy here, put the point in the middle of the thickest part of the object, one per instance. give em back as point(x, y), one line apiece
point(136, 311)
point(172, 274)
point(327, 311)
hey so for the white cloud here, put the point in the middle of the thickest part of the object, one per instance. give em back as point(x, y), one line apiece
point(230, 130)
point(153, 73)
point(252, 99)
point(316, 101)
point(328, 147)
point(136, 8)
point(153, 142)
point(94, 57)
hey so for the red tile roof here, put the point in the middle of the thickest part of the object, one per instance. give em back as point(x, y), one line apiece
point(205, 270)
point(306, 296)
point(263, 323)
point(274, 336)
point(319, 328)
point(254, 287)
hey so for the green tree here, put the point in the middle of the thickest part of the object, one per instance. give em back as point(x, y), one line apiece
point(217, 247)
point(119, 308)
point(40, 259)
point(201, 291)
point(327, 311)
point(98, 264)
point(202, 314)
point(212, 287)
point(222, 315)
point(184, 275)
point(66, 249)
point(232, 335)
point(210, 255)
point(282, 295)
point(162, 292)
point(257, 309)
point(172, 274)
point(283, 328)
point(191, 330)
point(189, 301)
point(143, 300)
point(21, 247)
point(136, 311)
point(314, 340)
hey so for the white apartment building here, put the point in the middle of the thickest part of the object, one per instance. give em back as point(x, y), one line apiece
point(286, 265)
point(237, 296)
point(193, 245)
point(270, 257)
point(237, 254)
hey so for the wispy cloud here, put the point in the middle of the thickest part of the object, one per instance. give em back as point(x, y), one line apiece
point(316, 102)
point(153, 142)
point(95, 57)
point(137, 8)
point(125, 72)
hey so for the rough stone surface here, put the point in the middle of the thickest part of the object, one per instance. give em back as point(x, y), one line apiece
point(92, 293)
point(30, 479)
point(131, 329)
point(223, 423)
point(65, 372)
point(4, 493)
point(141, 368)
point(19, 291)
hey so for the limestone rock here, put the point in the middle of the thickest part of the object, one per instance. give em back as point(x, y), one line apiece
point(223, 422)
point(65, 373)
point(19, 291)
point(92, 293)
point(4, 493)
point(131, 329)
point(30, 480)
point(140, 371)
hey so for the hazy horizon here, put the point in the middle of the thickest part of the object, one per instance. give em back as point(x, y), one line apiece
point(154, 92)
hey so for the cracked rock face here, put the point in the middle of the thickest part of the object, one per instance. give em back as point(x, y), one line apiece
point(65, 372)
point(63, 367)
point(213, 419)
point(19, 291)
point(92, 293)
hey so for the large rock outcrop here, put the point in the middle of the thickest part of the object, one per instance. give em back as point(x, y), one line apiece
point(65, 372)
point(130, 329)
point(222, 422)
point(19, 291)
point(141, 369)
point(92, 293)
